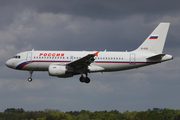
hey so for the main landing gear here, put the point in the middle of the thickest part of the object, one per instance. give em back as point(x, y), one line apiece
point(84, 79)
point(30, 78)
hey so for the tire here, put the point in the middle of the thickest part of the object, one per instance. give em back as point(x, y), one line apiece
point(82, 79)
point(87, 80)
point(30, 79)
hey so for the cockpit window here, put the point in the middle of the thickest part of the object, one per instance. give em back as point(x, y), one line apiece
point(17, 57)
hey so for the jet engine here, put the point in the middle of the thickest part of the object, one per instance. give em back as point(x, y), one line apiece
point(59, 71)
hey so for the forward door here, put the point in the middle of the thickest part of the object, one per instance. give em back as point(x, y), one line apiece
point(29, 57)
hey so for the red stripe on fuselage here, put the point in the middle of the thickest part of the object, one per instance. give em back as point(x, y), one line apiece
point(23, 66)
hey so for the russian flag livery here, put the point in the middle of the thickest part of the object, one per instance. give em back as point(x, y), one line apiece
point(154, 37)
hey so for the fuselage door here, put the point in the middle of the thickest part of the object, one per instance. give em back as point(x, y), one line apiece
point(132, 59)
point(29, 57)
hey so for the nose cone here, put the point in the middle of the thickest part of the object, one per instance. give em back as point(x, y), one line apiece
point(9, 63)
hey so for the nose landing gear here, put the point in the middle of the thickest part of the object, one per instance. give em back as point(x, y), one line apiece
point(30, 78)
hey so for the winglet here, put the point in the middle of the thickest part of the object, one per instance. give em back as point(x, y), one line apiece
point(96, 54)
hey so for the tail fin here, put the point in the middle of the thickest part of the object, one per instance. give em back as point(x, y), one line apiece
point(155, 41)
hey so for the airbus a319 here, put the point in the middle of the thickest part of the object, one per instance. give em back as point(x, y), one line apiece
point(64, 64)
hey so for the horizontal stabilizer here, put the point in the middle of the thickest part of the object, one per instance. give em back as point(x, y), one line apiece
point(158, 56)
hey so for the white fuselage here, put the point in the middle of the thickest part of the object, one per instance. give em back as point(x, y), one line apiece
point(109, 61)
point(68, 63)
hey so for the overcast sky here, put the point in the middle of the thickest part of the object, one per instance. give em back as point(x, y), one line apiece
point(115, 25)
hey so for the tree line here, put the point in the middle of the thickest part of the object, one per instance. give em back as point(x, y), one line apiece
point(49, 114)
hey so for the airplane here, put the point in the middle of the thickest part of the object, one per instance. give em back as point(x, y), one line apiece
point(64, 64)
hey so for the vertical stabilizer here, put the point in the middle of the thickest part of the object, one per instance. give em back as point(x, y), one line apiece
point(155, 41)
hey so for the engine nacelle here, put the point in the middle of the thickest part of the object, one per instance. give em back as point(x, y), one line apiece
point(94, 68)
point(59, 71)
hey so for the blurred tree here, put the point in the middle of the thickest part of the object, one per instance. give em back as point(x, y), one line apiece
point(154, 115)
point(177, 117)
point(13, 110)
point(127, 114)
point(141, 116)
point(169, 114)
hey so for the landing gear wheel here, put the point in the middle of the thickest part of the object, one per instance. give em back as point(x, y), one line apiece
point(81, 79)
point(29, 79)
point(84, 79)
point(87, 80)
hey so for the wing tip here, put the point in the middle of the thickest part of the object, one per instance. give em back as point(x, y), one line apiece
point(96, 54)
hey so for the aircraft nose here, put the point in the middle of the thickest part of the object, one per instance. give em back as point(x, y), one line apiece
point(9, 64)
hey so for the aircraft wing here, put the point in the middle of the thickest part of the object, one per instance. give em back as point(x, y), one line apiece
point(83, 62)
